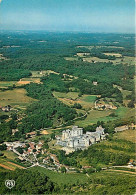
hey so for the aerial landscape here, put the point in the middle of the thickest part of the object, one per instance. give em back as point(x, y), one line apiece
point(67, 106)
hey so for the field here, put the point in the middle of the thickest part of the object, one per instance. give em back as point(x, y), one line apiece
point(9, 154)
point(118, 55)
point(62, 178)
point(25, 81)
point(95, 115)
point(71, 58)
point(81, 180)
point(70, 98)
point(5, 84)
point(38, 74)
point(7, 164)
point(15, 97)
point(119, 58)
point(129, 135)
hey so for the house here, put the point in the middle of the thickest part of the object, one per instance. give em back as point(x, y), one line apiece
point(31, 134)
point(32, 145)
point(132, 126)
point(6, 108)
point(20, 158)
point(121, 128)
point(95, 83)
point(14, 131)
point(39, 146)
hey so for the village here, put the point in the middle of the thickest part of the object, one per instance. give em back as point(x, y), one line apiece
point(37, 154)
point(31, 153)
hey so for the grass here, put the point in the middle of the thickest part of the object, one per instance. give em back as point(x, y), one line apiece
point(70, 98)
point(5, 84)
point(63, 178)
point(15, 97)
point(6, 164)
point(129, 135)
point(71, 58)
point(125, 60)
point(70, 95)
point(9, 154)
point(36, 74)
point(113, 54)
point(95, 115)
point(90, 98)
point(24, 81)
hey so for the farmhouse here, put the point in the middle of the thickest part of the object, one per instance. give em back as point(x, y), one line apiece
point(6, 108)
point(121, 128)
point(75, 138)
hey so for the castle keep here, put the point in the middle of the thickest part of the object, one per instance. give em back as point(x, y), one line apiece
point(77, 140)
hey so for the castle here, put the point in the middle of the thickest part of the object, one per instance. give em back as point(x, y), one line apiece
point(75, 138)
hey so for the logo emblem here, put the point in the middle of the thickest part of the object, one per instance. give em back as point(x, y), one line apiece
point(10, 183)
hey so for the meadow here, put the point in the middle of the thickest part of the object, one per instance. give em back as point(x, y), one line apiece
point(70, 98)
point(62, 178)
point(15, 97)
point(5, 84)
point(96, 115)
point(8, 162)
point(129, 135)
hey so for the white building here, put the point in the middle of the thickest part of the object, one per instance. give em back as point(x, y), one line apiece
point(77, 140)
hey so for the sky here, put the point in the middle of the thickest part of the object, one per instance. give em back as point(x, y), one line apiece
point(116, 16)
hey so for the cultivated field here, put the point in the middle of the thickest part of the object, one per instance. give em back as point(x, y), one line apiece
point(7, 164)
point(5, 84)
point(129, 135)
point(25, 81)
point(15, 97)
point(86, 101)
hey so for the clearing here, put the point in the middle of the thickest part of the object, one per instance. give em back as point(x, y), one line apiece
point(5, 84)
point(129, 135)
point(70, 98)
point(15, 97)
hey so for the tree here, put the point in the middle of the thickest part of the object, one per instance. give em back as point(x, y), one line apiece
point(3, 147)
point(63, 170)
point(20, 150)
point(53, 136)
point(131, 104)
point(84, 171)
point(37, 133)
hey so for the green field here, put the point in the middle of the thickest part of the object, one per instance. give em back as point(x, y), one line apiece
point(109, 181)
point(70, 98)
point(129, 135)
point(15, 97)
point(6, 164)
point(96, 115)
point(5, 84)
point(63, 178)
point(93, 117)
point(119, 58)
point(69, 95)
point(9, 154)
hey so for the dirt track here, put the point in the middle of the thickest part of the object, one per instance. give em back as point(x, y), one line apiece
point(124, 171)
point(16, 165)
point(6, 167)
